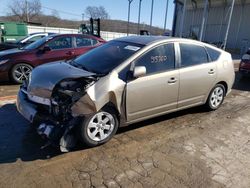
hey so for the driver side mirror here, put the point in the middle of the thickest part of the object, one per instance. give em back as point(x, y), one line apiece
point(46, 49)
point(139, 71)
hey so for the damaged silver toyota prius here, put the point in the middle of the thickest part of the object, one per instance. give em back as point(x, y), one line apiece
point(124, 81)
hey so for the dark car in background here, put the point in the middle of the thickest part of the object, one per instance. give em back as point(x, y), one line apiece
point(244, 68)
point(24, 41)
point(16, 64)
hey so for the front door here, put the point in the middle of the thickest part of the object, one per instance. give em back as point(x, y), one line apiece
point(61, 49)
point(157, 91)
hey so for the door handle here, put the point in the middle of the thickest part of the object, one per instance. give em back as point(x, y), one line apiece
point(70, 53)
point(211, 71)
point(172, 80)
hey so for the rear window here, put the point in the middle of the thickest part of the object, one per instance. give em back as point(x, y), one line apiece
point(213, 54)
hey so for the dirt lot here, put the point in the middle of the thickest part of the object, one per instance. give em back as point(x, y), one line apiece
point(191, 148)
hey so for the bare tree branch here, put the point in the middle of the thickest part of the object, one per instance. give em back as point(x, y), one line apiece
point(96, 12)
point(25, 10)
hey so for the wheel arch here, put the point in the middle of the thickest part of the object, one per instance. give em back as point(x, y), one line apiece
point(225, 86)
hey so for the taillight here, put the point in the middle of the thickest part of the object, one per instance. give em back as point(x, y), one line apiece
point(242, 64)
point(246, 58)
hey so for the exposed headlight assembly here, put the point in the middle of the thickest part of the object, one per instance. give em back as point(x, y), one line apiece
point(3, 61)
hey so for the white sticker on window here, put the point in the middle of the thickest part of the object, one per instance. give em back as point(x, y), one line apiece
point(133, 48)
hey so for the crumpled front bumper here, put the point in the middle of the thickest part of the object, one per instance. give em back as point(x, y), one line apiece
point(25, 107)
point(57, 135)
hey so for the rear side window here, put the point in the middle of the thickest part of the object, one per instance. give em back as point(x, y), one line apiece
point(213, 54)
point(159, 59)
point(192, 55)
point(81, 42)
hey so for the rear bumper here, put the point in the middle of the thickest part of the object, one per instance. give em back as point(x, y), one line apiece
point(26, 108)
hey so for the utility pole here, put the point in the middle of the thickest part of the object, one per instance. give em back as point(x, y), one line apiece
point(129, 3)
point(204, 17)
point(166, 15)
point(228, 24)
point(27, 9)
point(183, 17)
point(151, 17)
point(139, 17)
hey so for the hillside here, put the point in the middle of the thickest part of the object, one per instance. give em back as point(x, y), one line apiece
point(106, 25)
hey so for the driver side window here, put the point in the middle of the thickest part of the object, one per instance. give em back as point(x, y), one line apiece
point(159, 59)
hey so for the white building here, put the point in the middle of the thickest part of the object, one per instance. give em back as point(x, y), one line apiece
point(193, 16)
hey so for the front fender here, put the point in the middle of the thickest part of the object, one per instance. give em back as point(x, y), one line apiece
point(108, 89)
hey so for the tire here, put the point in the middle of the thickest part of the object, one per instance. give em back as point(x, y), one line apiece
point(92, 130)
point(216, 97)
point(20, 72)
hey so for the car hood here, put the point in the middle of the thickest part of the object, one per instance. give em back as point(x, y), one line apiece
point(45, 77)
point(11, 52)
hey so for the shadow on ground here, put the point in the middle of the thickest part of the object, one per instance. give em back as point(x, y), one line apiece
point(20, 141)
point(241, 83)
point(7, 83)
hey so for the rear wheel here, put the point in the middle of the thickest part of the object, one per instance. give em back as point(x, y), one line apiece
point(216, 97)
point(99, 128)
point(20, 72)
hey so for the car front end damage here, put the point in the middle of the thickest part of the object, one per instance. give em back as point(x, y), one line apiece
point(58, 96)
point(54, 116)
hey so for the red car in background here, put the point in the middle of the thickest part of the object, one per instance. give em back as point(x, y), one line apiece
point(16, 64)
point(245, 64)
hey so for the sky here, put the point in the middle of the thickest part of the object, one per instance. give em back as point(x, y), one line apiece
point(117, 9)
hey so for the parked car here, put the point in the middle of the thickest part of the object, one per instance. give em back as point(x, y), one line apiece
point(16, 64)
point(124, 81)
point(244, 67)
point(23, 42)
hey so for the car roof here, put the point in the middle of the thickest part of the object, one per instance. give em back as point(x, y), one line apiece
point(147, 40)
point(143, 40)
point(41, 33)
point(72, 34)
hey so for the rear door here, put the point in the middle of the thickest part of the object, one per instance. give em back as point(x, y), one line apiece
point(84, 44)
point(157, 91)
point(197, 74)
point(61, 49)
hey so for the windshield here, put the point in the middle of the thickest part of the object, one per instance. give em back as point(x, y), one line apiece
point(105, 58)
point(37, 43)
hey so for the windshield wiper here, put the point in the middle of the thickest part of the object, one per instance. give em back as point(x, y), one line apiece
point(74, 63)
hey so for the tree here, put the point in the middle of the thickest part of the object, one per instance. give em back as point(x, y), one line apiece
point(96, 12)
point(25, 10)
point(55, 13)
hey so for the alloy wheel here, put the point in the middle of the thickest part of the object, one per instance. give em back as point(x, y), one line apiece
point(22, 72)
point(217, 97)
point(100, 126)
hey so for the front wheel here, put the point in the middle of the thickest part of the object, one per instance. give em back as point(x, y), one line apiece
point(216, 97)
point(99, 128)
point(20, 72)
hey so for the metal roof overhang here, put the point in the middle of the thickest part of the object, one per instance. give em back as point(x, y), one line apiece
point(212, 3)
